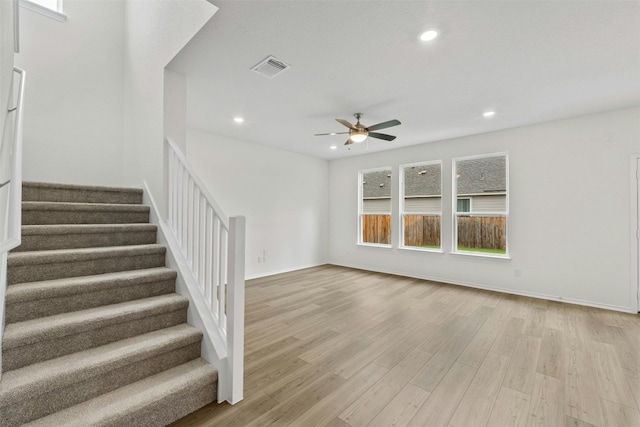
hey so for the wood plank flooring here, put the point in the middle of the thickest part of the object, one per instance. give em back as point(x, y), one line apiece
point(332, 346)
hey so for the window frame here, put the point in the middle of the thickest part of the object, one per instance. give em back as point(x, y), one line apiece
point(55, 14)
point(455, 214)
point(361, 213)
point(401, 172)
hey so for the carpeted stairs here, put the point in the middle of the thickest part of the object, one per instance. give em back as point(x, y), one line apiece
point(95, 333)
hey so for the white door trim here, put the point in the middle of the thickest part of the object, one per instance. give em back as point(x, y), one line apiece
point(634, 238)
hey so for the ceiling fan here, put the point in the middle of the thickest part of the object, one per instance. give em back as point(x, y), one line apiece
point(360, 132)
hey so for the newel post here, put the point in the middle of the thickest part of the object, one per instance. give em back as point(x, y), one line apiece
point(235, 295)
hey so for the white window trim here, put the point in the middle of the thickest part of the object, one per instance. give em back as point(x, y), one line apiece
point(403, 213)
point(359, 241)
point(455, 214)
point(57, 15)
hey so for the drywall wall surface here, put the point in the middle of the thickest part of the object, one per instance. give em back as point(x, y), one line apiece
point(6, 134)
point(6, 55)
point(284, 197)
point(155, 30)
point(175, 107)
point(569, 226)
point(73, 97)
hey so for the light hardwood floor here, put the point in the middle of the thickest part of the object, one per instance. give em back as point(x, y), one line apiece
point(332, 346)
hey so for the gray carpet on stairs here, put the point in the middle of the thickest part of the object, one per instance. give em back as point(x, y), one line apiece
point(95, 334)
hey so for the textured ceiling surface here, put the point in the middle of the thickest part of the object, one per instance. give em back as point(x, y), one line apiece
point(530, 61)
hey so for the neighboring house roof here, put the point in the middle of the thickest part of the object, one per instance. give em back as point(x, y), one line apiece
point(483, 175)
point(424, 180)
point(475, 176)
point(376, 184)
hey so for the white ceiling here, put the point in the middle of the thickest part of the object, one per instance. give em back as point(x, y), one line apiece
point(530, 61)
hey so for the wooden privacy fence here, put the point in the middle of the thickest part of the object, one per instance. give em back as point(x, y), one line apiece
point(376, 229)
point(487, 232)
point(422, 230)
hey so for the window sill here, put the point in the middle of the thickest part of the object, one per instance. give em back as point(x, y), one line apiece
point(374, 245)
point(481, 255)
point(49, 13)
point(415, 249)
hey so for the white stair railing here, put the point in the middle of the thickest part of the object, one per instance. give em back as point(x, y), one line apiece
point(213, 247)
point(10, 186)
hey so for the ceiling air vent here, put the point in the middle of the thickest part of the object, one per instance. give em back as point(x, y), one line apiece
point(270, 67)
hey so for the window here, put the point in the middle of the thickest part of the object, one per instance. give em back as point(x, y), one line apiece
point(464, 205)
point(50, 8)
point(481, 204)
point(375, 207)
point(421, 205)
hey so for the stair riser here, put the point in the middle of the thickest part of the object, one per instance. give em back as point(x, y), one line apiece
point(27, 310)
point(17, 357)
point(45, 242)
point(42, 194)
point(43, 217)
point(59, 270)
point(38, 406)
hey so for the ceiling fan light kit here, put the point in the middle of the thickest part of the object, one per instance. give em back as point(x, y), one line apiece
point(358, 136)
point(359, 132)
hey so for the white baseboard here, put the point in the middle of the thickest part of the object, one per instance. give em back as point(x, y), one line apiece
point(286, 270)
point(494, 288)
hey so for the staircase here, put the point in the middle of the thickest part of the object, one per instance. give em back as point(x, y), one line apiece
point(95, 333)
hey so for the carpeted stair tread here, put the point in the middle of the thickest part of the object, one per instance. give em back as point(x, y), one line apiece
point(154, 401)
point(54, 327)
point(25, 301)
point(57, 264)
point(44, 191)
point(53, 229)
point(71, 236)
point(84, 284)
point(35, 213)
point(63, 255)
point(88, 207)
point(31, 381)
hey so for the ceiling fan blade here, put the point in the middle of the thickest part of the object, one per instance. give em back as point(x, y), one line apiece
point(382, 136)
point(349, 142)
point(347, 124)
point(331, 133)
point(384, 125)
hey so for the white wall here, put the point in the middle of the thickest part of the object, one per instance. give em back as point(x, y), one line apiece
point(175, 107)
point(6, 72)
point(155, 30)
point(569, 228)
point(73, 97)
point(283, 195)
point(6, 54)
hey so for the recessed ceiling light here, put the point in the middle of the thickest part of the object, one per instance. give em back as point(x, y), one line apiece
point(489, 113)
point(334, 147)
point(238, 119)
point(428, 35)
